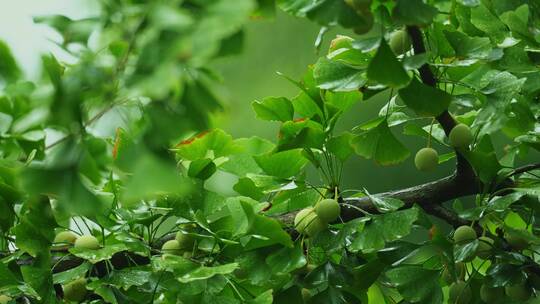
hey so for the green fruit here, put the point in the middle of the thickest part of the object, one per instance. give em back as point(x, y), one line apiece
point(464, 234)
point(184, 240)
point(340, 42)
point(315, 226)
point(328, 210)
point(4, 299)
point(459, 293)
point(307, 222)
point(426, 159)
point(485, 244)
point(75, 291)
point(517, 241)
point(519, 292)
point(172, 247)
point(87, 242)
point(460, 273)
point(306, 295)
point(64, 239)
point(302, 218)
point(460, 136)
point(491, 294)
point(400, 42)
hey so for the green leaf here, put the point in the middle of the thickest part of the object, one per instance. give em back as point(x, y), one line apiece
point(465, 252)
point(380, 145)
point(242, 162)
point(35, 231)
point(469, 47)
point(196, 147)
point(502, 203)
point(484, 20)
point(266, 231)
point(71, 30)
point(385, 69)
point(38, 275)
point(202, 168)
point(343, 100)
point(286, 260)
point(274, 108)
point(340, 146)
point(71, 274)
point(98, 255)
point(126, 278)
point(484, 160)
point(283, 164)
point(384, 228)
point(263, 298)
point(414, 12)
point(6, 277)
point(329, 12)
point(416, 284)
point(9, 70)
point(423, 99)
point(337, 76)
point(470, 3)
point(204, 273)
point(385, 204)
point(152, 177)
point(300, 133)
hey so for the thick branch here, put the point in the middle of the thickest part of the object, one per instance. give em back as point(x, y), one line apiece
point(429, 196)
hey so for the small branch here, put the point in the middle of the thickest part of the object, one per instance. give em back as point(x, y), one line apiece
point(525, 169)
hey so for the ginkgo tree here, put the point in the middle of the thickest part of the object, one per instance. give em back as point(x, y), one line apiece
point(106, 159)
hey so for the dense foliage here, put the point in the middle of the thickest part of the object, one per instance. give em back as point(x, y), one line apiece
point(105, 161)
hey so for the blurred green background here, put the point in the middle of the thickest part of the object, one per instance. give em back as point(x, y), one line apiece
point(285, 44)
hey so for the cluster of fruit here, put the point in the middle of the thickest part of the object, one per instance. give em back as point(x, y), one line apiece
point(460, 291)
point(312, 220)
point(399, 42)
point(427, 159)
point(181, 245)
point(75, 290)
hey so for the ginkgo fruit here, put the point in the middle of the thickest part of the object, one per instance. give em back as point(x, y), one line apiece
point(87, 242)
point(426, 159)
point(340, 42)
point(460, 136)
point(315, 226)
point(459, 293)
point(306, 295)
point(64, 239)
point(302, 218)
point(515, 240)
point(172, 247)
point(491, 294)
point(328, 210)
point(460, 270)
point(184, 240)
point(307, 222)
point(400, 42)
point(464, 234)
point(519, 292)
point(4, 299)
point(485, 244)
point(75, 291)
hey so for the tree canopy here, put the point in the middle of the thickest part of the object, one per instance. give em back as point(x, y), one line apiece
point(105, 159)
